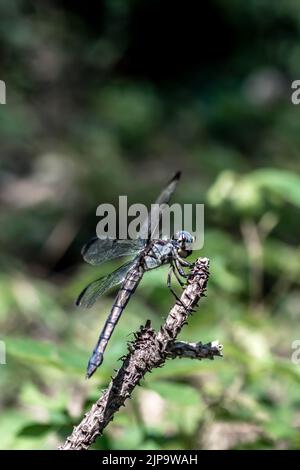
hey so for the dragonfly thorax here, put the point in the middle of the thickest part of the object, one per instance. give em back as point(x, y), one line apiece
point(163, 251)
point(160, 253)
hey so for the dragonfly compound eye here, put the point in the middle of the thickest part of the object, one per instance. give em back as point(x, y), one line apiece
point(185, 241)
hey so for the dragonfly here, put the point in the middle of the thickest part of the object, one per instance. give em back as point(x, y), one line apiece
point(147, 253)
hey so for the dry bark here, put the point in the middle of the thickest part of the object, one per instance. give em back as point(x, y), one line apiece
point(148, 350)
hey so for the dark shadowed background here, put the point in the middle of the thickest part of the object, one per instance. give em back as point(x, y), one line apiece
point(112, 97)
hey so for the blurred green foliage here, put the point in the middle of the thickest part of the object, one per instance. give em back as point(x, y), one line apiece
point(111, 98)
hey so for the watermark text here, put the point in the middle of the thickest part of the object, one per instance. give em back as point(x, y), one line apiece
point(2, 92)
point(162, 221)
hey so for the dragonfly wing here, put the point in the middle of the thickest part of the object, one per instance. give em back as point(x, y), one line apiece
point(99, 250)
point(150, 224)
point(95, 289)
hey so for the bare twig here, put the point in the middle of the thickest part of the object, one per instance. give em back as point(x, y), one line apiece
point(148, 350)
point(254, 247)
point(195, 350)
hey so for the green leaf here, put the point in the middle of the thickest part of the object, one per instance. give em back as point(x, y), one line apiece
point(284, 184)
point(182, 394)
point(11, 422)
point(42, 352)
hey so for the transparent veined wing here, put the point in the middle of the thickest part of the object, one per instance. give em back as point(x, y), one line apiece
point(99, 250)
point(151, 223)
point(95, 289)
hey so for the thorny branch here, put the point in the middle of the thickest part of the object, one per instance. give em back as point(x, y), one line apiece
point(148, 350)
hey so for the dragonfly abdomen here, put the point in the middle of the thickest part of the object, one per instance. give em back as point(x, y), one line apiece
point(129, 285)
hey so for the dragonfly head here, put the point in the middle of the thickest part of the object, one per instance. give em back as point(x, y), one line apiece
point(184, 242)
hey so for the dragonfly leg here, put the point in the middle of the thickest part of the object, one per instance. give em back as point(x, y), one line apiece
point(177, 273)
point(180, 270)
point(181, 261)
point(184, 262)
point(169, 284)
